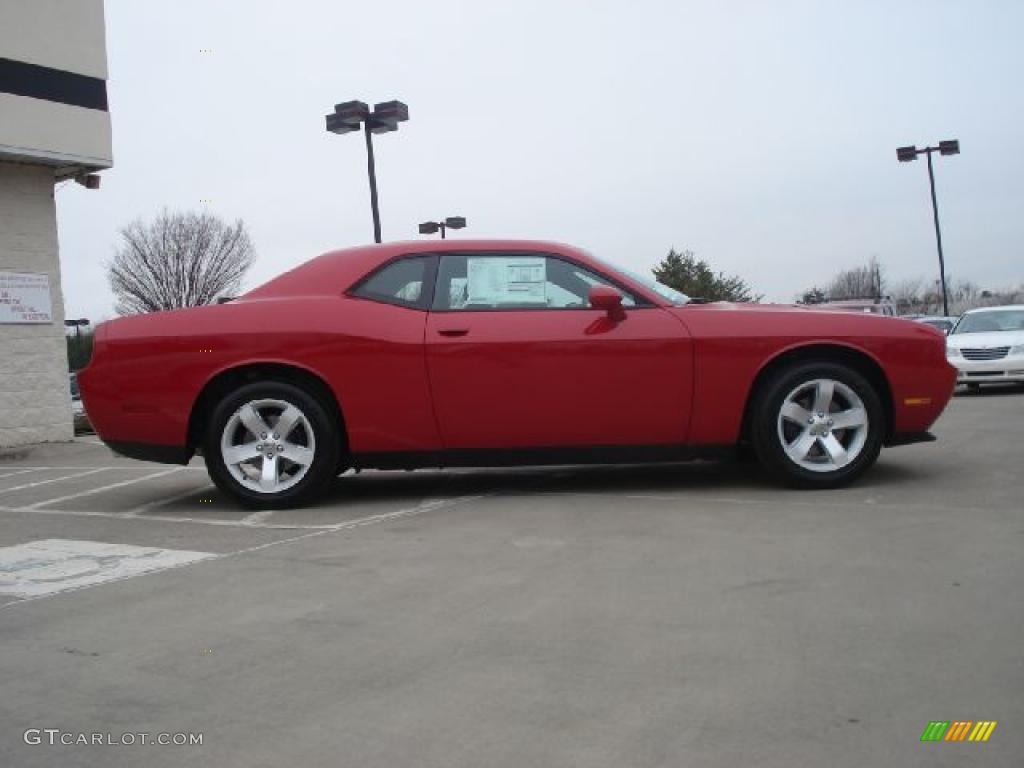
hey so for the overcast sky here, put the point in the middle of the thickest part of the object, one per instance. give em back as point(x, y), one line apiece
point(761, 135)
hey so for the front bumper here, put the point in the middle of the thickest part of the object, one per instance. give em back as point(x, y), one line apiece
point(1008, 369)
point(909, 438)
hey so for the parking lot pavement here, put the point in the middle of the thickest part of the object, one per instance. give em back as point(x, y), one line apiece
point(624, 616)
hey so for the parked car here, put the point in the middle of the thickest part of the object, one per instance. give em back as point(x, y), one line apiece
point(78, 416)
point(987, 346)
point(495, 352)
point(882, 306)
point(942, 322)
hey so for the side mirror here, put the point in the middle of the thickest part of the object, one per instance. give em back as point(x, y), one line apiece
point(609, 299)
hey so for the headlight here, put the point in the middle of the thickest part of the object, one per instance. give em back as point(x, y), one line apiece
point(1017, 350)
point(952, 352)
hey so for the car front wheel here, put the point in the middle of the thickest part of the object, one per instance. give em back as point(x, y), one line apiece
point(818, 425)
point(271, 444)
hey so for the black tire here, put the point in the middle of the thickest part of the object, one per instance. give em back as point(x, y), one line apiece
point(324, 429)
point(767, 424)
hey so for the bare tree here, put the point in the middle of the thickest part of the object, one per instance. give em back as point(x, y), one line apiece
point(907, 296)
point(924, 297)
point(178, 260)
point(813, 295)
point(858, 283)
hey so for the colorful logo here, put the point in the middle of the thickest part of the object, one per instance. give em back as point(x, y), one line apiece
point(958, 730)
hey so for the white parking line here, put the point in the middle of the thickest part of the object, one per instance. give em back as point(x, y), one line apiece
point(257, 517)
point(246, 522)
point(53, 480)
point(130, 466)
point(166, 518)
point(156, 503)
point(22, 472)
point(103, 488)
point(424, 506)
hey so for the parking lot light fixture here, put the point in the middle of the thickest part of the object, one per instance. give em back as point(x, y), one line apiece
point(387, 115)
point(77, 325)
point(384, 118)
point(908, 154)
point(432, 227)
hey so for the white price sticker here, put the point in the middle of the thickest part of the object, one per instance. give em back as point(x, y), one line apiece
point(506, 280)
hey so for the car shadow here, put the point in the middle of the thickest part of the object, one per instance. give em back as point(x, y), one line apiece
point(367, 486)
point(695, 476)
point(890, 473)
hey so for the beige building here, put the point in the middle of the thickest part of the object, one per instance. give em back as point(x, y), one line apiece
point(54, 125)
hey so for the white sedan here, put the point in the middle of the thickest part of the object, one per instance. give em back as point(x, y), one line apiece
point(987, 346)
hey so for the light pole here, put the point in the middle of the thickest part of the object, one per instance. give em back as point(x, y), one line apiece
point(452, 222)
point(77, 325)
point(385, 117)
point(908, 154)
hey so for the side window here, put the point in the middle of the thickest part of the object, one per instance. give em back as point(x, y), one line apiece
point(401, 282)
point(515, 281)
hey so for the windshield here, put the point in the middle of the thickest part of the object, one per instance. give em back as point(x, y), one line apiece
point(669, 294)
point(942, 325)
point(995, 320)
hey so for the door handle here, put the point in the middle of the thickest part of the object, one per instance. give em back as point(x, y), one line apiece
point(453, 331)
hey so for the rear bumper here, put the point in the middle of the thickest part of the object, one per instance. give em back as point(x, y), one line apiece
point(162, 454)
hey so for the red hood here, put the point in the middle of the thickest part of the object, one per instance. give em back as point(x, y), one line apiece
point(800, 320)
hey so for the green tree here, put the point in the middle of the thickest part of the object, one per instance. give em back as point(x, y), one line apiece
point(79, 349)
point(683, 271)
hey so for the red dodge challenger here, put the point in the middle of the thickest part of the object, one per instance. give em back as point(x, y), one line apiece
point(498, 352)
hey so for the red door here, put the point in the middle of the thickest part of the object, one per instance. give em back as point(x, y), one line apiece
point(556, 377)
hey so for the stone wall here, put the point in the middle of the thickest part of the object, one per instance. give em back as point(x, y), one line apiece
point(35, 404)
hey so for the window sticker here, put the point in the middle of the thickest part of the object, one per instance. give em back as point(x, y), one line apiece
point(506, 280)
point(457, 293)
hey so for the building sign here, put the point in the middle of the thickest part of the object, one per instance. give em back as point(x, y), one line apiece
point(25, 298)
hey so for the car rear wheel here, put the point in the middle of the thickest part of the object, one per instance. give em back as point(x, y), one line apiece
point(818, 425)
point(271, 444)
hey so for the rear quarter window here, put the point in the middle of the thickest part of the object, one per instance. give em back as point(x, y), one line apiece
point(404, 282)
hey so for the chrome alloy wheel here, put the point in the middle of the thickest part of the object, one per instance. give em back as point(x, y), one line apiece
point(823, 425)
point(268, 445)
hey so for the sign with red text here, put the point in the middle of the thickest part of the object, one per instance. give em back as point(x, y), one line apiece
point(25, 298)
